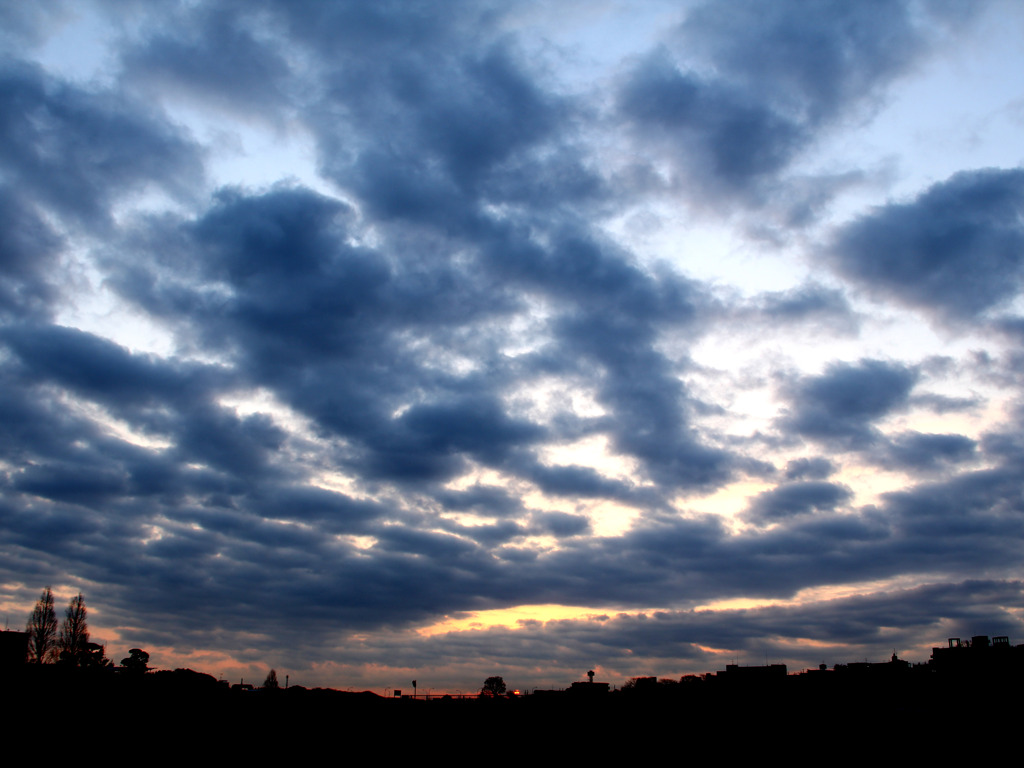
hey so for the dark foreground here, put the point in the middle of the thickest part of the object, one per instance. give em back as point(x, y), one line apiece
point(187, 712)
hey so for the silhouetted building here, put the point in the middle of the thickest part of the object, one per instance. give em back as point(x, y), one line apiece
point(978, 656)
point(895, 666)
point(589, 688)
point(751, 674)
point(13, 649)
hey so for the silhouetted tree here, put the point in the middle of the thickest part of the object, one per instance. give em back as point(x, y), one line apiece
point(135, 662)
point(94, 656)
point(271, 682)
point(74, 633)
point(42, 630)
point(493, 686)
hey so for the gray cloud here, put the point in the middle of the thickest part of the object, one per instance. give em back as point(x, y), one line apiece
point(812, 306)
point(843, 402)
point(917, 451)
point(720, 133)
point(362, 419)
point(29, 250)
point(797, 499)
point(212, 56)
point(78, 151)
point(817, 468)
point(834, 53)
point(954, 251)
point(740, 91)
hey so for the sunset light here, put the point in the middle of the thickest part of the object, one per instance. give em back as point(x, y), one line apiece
point(369, 342)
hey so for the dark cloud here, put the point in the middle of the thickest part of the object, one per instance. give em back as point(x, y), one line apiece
point(81, 485)
point(969, 503)
point(953, 252)
point(811, 305)
point(157, 397)
point(720, 134)
point(843, 403)
point(817, 468)
point(353, 430)
point(918, 451)
point(29, 250)
point(943, 404)
point(561, 524)
point(617, 332)
point(328, 510)
point(29, 24)
point(798, 498)
point(469, 124)
point(213, 55)
point(1006, 447)
point(488, 535)
point(97, 368)
point(273, 281)
point(484, 500)
point(705, 102)
point(78, 151)
point(819, 59)
point(425, 443)
point(579, 482)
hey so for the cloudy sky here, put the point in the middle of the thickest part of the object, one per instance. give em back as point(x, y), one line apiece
point(380, 341)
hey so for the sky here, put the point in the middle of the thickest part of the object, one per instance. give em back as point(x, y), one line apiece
point(382, 341)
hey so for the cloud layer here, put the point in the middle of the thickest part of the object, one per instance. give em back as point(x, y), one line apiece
point(439, 372)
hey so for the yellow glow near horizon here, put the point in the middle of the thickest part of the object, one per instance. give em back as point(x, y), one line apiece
point(516, 617)
point(513, 617)
point(822, 594)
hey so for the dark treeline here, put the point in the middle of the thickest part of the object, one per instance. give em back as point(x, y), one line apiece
point(964, 692)
point(967, 688)
point(182, 709)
